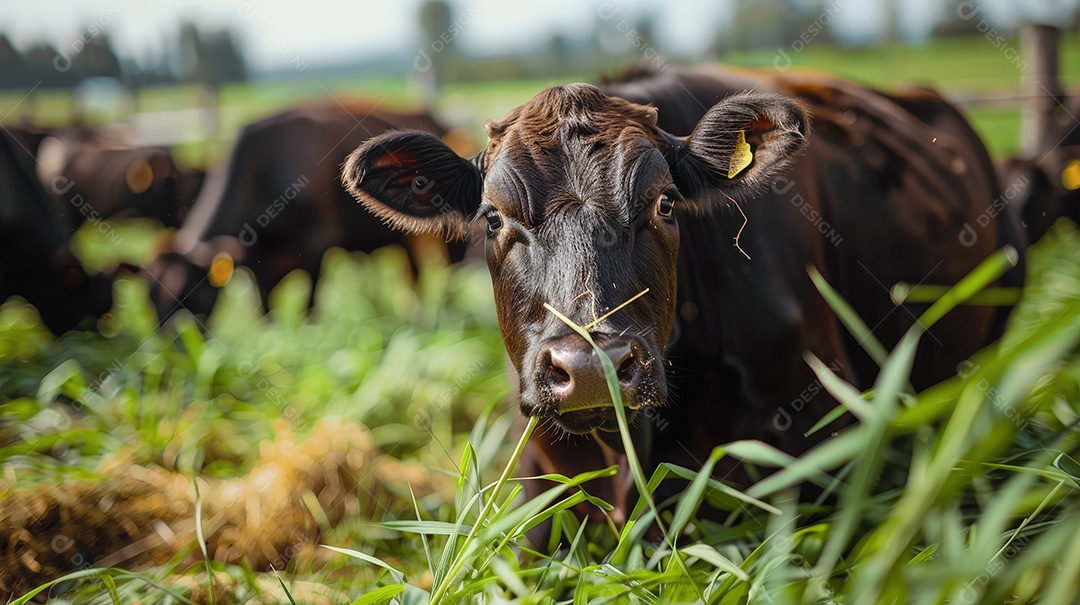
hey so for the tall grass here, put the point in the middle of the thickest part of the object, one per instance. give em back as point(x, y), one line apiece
point(964, 493)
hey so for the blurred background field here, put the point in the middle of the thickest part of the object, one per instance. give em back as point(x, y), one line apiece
point(407, 364)
point(970, 53)
point(961, 68)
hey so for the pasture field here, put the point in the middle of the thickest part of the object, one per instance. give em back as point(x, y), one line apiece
point(372, 437)
point(962, 68)
point(382, 416)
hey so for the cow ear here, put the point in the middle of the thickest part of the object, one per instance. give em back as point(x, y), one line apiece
point(737, 148)
point(415, 182)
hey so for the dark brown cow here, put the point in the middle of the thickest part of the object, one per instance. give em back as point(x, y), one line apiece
point(593, 195)
point(102, 178)
point(35, 262)
point(277, 203)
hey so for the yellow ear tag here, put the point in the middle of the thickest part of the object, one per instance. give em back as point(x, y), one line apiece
point(741, 157)
point(1070, 175)
point(140, 175)
point(221, 269)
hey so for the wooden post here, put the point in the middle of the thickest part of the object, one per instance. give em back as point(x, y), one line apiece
point(1039, 88)
point(210, 102)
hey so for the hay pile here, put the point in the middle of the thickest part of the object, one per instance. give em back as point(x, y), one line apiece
point(136, 516)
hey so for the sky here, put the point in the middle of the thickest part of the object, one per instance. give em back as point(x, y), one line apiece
point(277, 33)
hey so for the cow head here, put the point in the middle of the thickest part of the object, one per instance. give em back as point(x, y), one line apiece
point(1042, 191)
point(580, 193)
point(189, 274)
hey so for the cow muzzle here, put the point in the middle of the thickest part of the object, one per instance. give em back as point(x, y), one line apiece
point(573, 389)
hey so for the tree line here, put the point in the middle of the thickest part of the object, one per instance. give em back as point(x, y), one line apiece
point(207, 57)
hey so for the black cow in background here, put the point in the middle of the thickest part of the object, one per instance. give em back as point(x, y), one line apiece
point(35, 262)
point(277, 204)
point(101, 177)
point(1045, 187)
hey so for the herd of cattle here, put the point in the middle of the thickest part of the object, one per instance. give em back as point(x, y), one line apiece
point(276, 204)
point(710, 200)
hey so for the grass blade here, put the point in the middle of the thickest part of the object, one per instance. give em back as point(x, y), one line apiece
point(398, 576)
point(284, 588)
point(847, 315)
point(380, 595)
point(202, 541)
point(713, 557)
point(110, 586)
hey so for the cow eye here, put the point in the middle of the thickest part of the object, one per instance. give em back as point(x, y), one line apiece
point(493, 219)
point(665, 204)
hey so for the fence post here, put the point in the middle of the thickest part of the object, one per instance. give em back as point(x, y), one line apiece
point(1039, 88)
point(210, 103)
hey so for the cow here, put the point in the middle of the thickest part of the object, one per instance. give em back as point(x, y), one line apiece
point(35, 261)
point(107, 178)
point(1045, 187)
point(705, 191)
point(277, 205)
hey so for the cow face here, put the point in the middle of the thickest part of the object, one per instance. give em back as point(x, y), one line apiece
point(579, 193)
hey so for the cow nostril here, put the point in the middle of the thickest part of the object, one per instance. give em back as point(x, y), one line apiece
point(628, 364)
point(627, 369)
point(558, 375)
point(554, 370)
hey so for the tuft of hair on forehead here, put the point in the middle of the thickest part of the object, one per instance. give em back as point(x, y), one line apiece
point(572, 110)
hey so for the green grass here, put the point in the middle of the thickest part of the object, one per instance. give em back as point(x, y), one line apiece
point(957, 65)
point(966, 493)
